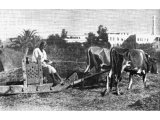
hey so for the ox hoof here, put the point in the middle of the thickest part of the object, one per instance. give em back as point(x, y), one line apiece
point(51, 88)
point(37, 89)
point(118, 93)
point(146, 87)
point(129, 88)
point(102, 94)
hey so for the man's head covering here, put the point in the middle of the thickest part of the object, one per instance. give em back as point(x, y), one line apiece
point(42, 43)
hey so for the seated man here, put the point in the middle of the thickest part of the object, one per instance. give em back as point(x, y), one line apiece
point(40, 52)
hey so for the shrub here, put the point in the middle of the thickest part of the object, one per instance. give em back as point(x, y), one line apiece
point(130, 42)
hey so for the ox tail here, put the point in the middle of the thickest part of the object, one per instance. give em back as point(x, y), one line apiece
point(88, 62)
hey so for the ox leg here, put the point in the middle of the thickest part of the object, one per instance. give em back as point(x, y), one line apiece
point(130, 82)
point(144, 80)
point(107, 87)
point(87, 69)
point(118, 93)
point(107, 84)
point(117, 86)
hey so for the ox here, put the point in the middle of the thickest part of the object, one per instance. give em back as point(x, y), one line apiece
point(103, 58)
point(97, 57)
point(118, 65)
point(141, 64)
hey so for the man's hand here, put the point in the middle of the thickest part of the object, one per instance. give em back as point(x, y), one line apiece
point(50, 62)
point(46, 61)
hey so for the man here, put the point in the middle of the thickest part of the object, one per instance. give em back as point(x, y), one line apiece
point(40, 52)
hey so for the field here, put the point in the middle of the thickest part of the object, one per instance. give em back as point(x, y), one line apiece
point(89, 99)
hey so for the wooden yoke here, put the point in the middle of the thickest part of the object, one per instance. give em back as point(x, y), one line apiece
point(32, 72)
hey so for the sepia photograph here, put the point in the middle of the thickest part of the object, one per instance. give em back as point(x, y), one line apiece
point(79, 59)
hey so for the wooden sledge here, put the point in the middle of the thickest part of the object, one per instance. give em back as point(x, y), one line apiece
point(33, 80)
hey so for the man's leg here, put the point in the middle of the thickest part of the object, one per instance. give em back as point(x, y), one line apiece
point(61, 80)
point(53, 71)
point(54, 80)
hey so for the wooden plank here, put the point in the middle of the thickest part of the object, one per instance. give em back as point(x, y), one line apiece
point(12, 89)
point(18, 89)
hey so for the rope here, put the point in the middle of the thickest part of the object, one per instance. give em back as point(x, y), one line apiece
point(59, 61)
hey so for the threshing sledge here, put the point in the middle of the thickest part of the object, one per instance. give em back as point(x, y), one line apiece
point(33, 80)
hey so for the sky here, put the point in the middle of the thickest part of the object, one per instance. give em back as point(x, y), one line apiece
point(76, 21)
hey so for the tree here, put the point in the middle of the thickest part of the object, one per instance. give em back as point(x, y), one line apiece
point(1, 44)
point(102, 34)
point(91, 39)
point(64, 34)
point(56, 40)
point(28, 38)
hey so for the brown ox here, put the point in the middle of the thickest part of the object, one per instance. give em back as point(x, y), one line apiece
point(140, 61)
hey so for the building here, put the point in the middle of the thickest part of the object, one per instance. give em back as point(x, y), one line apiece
point(156, 43)
point(116, 39)
point(76, 38)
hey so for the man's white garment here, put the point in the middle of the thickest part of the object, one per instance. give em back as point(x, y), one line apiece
point(42, 54)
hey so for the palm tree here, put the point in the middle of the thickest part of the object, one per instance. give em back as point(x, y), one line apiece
point(28, 38)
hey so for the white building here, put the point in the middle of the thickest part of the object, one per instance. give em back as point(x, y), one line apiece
point(116, 39)
point(144, 38)
point(76, 38)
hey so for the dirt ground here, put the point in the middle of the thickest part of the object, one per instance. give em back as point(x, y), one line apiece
point(72, 99)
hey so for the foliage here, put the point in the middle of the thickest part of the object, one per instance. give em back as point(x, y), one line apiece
point(64, 34)
point(100, 40)
point(91, 39)
point(56, 40)
point(72, 52)
point(28, 38)
point(102, 34)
